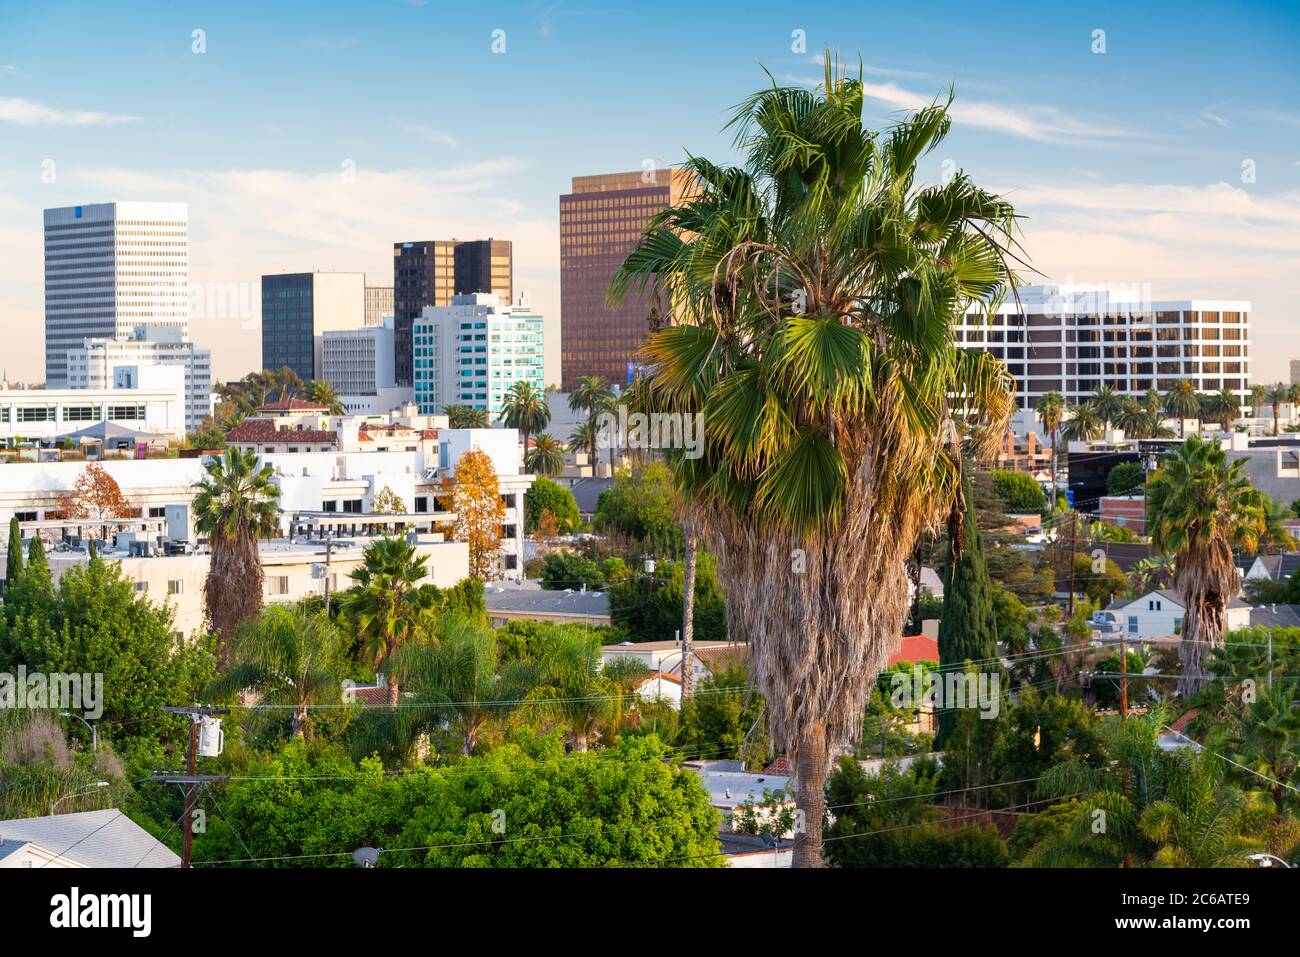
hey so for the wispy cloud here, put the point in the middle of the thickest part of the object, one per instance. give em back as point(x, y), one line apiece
point(871, 70)
point(31, 113)
point(428, 134)
point(1046, 124)
point(7, 69)
point(1215, 119)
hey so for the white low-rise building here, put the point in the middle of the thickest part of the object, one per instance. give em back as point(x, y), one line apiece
point(40, 416)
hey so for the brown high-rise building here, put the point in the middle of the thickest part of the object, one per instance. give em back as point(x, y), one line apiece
point(600, 223)
point(429, 273)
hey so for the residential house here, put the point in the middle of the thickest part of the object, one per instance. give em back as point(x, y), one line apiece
point(82, 839)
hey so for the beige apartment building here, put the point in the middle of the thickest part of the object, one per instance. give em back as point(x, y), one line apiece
point(601, 221)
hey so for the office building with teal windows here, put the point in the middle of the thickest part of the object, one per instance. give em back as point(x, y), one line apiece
point(472, 351)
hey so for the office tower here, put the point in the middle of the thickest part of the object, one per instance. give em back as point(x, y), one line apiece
point(298, 308)
point(129, 364)
point(109, 269)
point(1074, 339)
point(357, 362)
point(1295, 371)
point(429, 273)
point(600, 223)
point(471, 351)
point(379, 304)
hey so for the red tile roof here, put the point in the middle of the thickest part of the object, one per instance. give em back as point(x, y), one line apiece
point(262, 432)
point(1181, 724)
point(293, 405)
point(914, 648)
point(780, 767)
point(371, 697)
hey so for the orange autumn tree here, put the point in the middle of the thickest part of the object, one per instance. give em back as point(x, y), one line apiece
point(95, 495)
point(480, 512)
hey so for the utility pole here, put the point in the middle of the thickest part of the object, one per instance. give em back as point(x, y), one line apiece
point(1123, 714)
point(1074, 531)
point(190, 779)
point(329, 549)
point(688, 610)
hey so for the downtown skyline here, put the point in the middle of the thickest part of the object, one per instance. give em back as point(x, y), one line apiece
point(316, 142)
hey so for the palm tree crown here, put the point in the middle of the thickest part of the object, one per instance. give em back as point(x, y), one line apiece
point(814, 291)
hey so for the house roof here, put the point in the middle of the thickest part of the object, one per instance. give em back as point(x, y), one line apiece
point(1167, 594)
point(697, 648)
point(931, 581)
point(293, 405)
point(915, 648)
point(265, 432)
point(531, 599)
point(106, 838)
point(720, 657)
point(1278, 567)
point(1275, 616)
point(586, 492)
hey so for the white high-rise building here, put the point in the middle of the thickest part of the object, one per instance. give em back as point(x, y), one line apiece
point(1075, 339)
point(472, 351)
point(358, 361)
point(111, 268)
point(125, 364)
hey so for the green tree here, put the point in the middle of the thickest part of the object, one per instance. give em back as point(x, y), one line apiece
point(546, 457)
point(1084, 424)
point(584, 438)
point(388, 602)
point(1126, 478)
point(968, 628)
point(292, 658)
point(565, 569)
point(1108, 404)
point(1201, 507)
point(1182, 402)
point(650, 609)
point(14, 553)
point(572, 687)
point(1021, 493)
point(466, 417)
point(322, 392)
point(816, 289)
point(641, 506)
point(526, 409)
point(544, 495)
point(592, 396)
point(236, 505)
point(723, 720)
point(1051, 412)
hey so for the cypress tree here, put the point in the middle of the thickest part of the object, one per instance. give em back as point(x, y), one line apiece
point(14, 557)
point(38, 567)
point(968, 626)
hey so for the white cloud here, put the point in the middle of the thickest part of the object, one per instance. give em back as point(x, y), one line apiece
point(1046, 124)
point(428, 134)
point(1215, 119)
point(30, 113)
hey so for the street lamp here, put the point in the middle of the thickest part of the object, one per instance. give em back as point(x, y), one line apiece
point(97, 785)
point(648, 564)
point(1267, 860)
point(94, 735)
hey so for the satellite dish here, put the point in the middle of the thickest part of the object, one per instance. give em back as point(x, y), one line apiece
point(366, 856)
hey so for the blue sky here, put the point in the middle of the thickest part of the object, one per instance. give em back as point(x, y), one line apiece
point(315, 135)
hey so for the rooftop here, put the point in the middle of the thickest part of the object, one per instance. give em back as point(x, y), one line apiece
point(531, 598)
point(106, 838)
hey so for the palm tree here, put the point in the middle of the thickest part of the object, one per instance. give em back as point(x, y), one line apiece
point(1277, 394)
point(1265, 744)
point(1132, 418)
point(583, 439)
point(831, 439)
point(289, 657)
point(1182, 402)
point(1258, 398)
point(456, 679)
point(1224, 406)
point(573, 686)
point(525, 408)
point(1051, 410)
point(594, 396)
point(1084, 424)
point(236, 505)
point(320, 391)
point(1201, 506)
point(387, 602)
point(546, 457)
point(1107, 403)
point(466, 417)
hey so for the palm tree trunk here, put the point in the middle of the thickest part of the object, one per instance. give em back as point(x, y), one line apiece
point(300, 721)
point(579, 739)
point(811, 763)
point(688, 610)
point(393, 694)
point(1203, 627)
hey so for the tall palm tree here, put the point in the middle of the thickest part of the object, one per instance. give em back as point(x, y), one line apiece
point(1132, 418)
point(1258, 398)
point(594, 396)
point(236, 506)
point(1277, 394)
point(1223, 406)
point(525, 408)
point(289, 657)
point(1084, 424)
point(814, 293)
point(1201, 506)
point(546, 457)
point(583, 439)
point(321, 392)
point(387, 602)
point(1182, 402)
point(466, 417)
point(1107, 403)
point(1051, 412)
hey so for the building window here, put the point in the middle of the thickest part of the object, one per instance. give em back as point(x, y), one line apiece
point(1132, 624)
point(277, 585)
point(176, 586)
point(142, 586)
